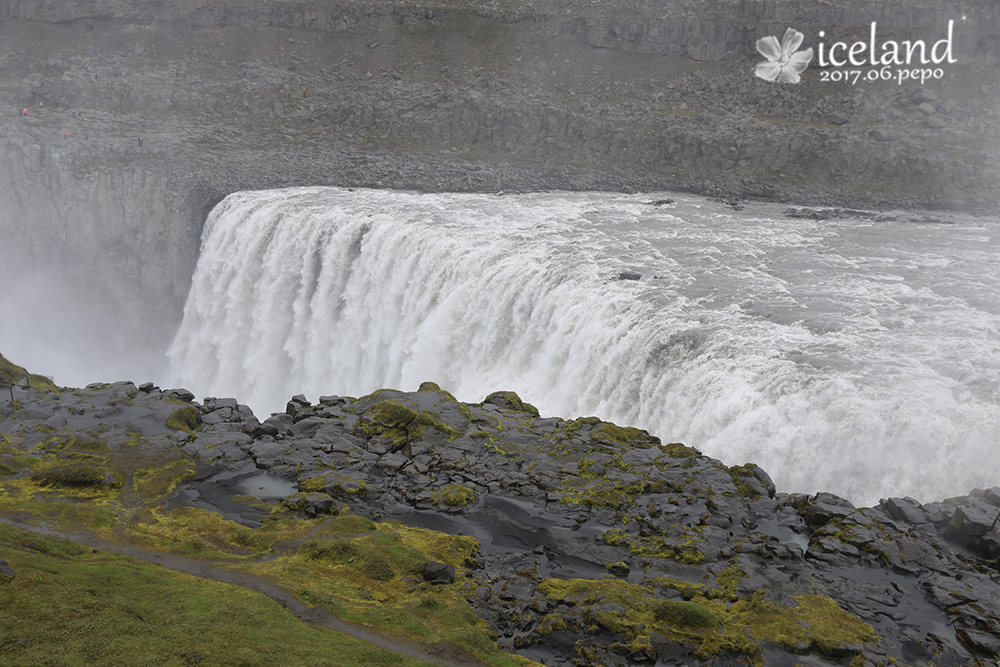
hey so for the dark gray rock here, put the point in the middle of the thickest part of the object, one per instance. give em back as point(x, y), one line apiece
point(618, 569)
point(308, 427)
point(180, 395)
point(309, 503)
point(973, 518)
point(904, 509)
point(439, 573)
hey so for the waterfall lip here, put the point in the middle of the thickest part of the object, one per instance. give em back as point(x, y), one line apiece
point(758, 333)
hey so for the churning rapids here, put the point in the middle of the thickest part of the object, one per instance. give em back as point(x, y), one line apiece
point(852, 356)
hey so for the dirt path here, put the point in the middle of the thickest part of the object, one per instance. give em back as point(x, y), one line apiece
point(438, 654)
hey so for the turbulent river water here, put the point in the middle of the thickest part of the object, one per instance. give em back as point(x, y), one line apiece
point(849, 355)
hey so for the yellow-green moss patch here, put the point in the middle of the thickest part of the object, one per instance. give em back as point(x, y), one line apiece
point(403, 425)
point(185, 419)
point(454, 495)
point(74, 476)
point(512, 401)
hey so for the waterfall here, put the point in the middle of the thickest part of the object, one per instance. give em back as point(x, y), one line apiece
point(753, 338)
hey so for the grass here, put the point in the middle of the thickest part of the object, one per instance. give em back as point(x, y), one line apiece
point(71, 476)
point(11, 372)
point(75, 607)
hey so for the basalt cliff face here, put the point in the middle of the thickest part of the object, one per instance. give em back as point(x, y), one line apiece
point(517, 539)
point(141, 115)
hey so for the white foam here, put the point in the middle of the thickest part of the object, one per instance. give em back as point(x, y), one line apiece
point(855, 357)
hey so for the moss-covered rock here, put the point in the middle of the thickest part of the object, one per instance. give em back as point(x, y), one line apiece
point(511, 401)
point(185, 419)
point(624, 436)
point(402, 424)
point(454, 495)
point(310, 503)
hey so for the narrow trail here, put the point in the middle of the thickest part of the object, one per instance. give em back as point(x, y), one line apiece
point(442, 654)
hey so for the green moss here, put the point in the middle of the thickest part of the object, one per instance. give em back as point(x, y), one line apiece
point(160, 480)
point(429, 386)
point(296, 502)
point(93, 446)
point(817, 620)
point(25, 461)
point(338, 549)
point(6, 470)
point(401, 424)
point(74, 476)
point(185, 419)
point(83, 456)
point(729, 579)
point(627, 436)
point(313, 484)
point(594, 591)
point(686, 589)
point(685, 614)
point(378, 567)
point(255, 540)
point(462, 408)
point(101, 518)
point(713, 626)
point(512, 401)
point(352, 523)
point(54, 445)
point(602, 492)
point(454, 495)
point(339, 484)
point(677, 451)
point(740, 475)
point(551, 623)
point(689, 556)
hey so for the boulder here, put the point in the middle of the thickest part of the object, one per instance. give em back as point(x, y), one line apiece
point(6, 572)
point(618, 569)
point(439, 573)
point(310, 503)
point(904, 509)
point(180, 395)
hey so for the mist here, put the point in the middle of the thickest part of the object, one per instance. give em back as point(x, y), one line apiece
point(72, 333)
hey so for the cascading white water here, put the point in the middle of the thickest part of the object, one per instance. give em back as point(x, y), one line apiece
point(851, 356)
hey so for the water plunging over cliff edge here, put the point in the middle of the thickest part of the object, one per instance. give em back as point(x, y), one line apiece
point(845, 355)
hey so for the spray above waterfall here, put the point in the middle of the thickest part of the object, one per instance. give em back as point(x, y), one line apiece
point(856, 357)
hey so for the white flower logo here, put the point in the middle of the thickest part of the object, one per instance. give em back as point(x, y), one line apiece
point(783, 64)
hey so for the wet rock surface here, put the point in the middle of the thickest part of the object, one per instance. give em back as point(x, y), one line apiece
point(599, 544)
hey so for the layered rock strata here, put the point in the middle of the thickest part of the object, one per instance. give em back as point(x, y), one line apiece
point(142, 115)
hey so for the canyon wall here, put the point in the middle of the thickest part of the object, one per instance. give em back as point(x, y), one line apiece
point(234, 94)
